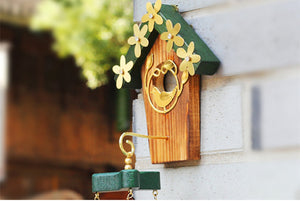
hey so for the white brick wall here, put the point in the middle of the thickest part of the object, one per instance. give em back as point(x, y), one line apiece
point(221, 119)
point(251, 38)
point(140, 126)
point(257, 180)
point(250, 134)
point(278, 112)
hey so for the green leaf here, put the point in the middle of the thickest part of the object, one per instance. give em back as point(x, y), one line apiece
point(94, 32)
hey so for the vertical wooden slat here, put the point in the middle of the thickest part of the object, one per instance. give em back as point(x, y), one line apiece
point(182, 124)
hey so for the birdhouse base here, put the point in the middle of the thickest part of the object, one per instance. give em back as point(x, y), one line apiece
point(124, 180)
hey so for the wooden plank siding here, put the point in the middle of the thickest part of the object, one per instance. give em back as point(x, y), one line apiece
point(53, 119)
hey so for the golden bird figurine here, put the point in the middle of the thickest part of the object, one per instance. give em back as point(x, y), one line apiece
point(162, 99)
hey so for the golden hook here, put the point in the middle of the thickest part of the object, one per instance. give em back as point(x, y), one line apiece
point(132, 145)
point(129, 154)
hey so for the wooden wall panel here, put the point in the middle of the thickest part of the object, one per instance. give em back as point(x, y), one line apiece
point(59, 132)
point(51, 114)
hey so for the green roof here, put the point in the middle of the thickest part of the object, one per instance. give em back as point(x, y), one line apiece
point(208, 64)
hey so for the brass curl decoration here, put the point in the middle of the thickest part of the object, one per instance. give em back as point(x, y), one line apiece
point(131, 152)
point(164, 101)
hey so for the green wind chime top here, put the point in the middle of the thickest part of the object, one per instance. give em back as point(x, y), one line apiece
point(164, 21)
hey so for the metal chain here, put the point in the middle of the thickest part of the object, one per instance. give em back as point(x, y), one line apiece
point(130, 195)
point(155, 193)
point(97, 196)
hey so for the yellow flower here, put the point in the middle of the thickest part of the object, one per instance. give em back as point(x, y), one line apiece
point(152, 17)
point(170, 35)
point(138, 39)
point(122, 71)
point(189, 59)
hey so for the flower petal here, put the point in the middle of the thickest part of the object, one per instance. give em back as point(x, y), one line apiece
point(128, 66)
point(169, 45)
point(164, 36)
point(137, 50)
point(122, 61)
point(190, 49)
point(169, 25)
point(119, 81)
point(190, 68)
point(195, 58)
point(157, 5)
point(116, 69)
point(181, 53)
point(149, 8)
point(144, 42)
point(131, 40)
point(127, 77)
point(151, 25)
point(136, 30)
point(143, 31)
point(184, 77)
point(178, 41)
point(145, 18)
point(149, 61)
point(183, 66)
point(176, 29)
point(158, 19)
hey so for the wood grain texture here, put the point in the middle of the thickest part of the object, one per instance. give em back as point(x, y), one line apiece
point(52, 117)
point(58, 132)
point(182, 124)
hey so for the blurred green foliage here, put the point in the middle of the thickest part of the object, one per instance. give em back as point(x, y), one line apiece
point(95, 32)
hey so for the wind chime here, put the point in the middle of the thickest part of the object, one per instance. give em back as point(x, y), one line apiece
point(164, 49)
point(128, 178)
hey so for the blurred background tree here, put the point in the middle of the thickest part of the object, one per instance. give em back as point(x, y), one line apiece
point(58, 130)
point(94, 32)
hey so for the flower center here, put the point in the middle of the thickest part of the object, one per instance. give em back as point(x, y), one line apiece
point(150, 16)
point(187, 58)
point(121, 72)
point(137, 39)
point(170, 36)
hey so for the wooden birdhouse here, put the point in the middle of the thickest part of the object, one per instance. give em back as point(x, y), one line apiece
point(166, 59)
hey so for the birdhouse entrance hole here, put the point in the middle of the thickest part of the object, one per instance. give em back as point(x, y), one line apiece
point(169, 82)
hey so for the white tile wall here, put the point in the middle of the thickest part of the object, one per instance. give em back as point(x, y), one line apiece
point(278, 112)
point(221, 119)
point(257, 180)
point(140, 5)
point(252, 38)
point(140, 126)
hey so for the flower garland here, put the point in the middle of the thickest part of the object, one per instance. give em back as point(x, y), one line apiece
point(171, 36)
